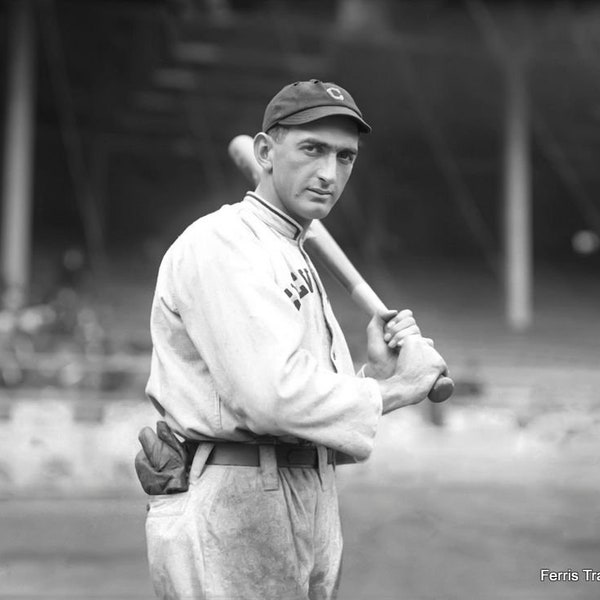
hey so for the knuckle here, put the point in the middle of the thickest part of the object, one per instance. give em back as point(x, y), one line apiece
point(410, 331)
point(404, 325)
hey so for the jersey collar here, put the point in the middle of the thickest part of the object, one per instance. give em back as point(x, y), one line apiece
point(274, 217)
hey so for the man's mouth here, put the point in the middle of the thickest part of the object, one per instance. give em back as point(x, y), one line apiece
point(319, 192)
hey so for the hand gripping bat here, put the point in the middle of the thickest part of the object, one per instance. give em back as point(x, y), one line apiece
point(325, 249)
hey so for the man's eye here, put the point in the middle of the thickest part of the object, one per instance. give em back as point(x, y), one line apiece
point(346, 157)
point(311, 148)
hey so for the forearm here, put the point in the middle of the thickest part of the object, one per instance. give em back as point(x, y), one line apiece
point(397, 393)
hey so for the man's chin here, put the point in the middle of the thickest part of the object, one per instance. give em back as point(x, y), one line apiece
point(317, 211)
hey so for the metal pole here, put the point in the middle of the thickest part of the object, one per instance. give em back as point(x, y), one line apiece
point(18, 154)
point(518, 243)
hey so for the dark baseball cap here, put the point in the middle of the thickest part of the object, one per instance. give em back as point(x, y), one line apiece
point(306, 101)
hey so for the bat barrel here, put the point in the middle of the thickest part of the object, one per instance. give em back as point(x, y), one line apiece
point(241, 150)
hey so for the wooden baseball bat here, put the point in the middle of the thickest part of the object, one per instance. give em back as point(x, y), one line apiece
point(326, 250)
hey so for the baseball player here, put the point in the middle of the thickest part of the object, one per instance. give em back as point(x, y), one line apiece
point(251, 370)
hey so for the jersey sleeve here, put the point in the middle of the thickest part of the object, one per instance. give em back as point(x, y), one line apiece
point(250, 336)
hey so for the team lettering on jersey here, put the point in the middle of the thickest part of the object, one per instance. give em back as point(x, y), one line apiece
point(301, 285)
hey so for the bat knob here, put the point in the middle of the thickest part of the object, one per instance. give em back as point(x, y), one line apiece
point(442, 389)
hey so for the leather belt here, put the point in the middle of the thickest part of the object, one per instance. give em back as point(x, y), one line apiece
point(247, 455)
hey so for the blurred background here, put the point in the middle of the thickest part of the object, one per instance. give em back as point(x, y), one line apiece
point(475, 202)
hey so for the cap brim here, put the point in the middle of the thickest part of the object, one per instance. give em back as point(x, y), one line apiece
point(319, 112)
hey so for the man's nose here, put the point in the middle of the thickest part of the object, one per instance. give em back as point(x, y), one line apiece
point(327, 168)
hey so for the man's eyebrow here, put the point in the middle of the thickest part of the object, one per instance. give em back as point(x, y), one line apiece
point(318, 142)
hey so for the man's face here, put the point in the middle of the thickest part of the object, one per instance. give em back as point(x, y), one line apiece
point(311, 166)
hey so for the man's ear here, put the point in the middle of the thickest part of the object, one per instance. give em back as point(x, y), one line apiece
point(263, 151)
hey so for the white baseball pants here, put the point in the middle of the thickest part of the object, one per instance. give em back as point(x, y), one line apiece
point(247, 533)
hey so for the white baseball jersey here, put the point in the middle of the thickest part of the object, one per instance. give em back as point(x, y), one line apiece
point(245, 343)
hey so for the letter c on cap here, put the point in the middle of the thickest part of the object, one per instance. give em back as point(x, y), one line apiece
point(335, 93)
